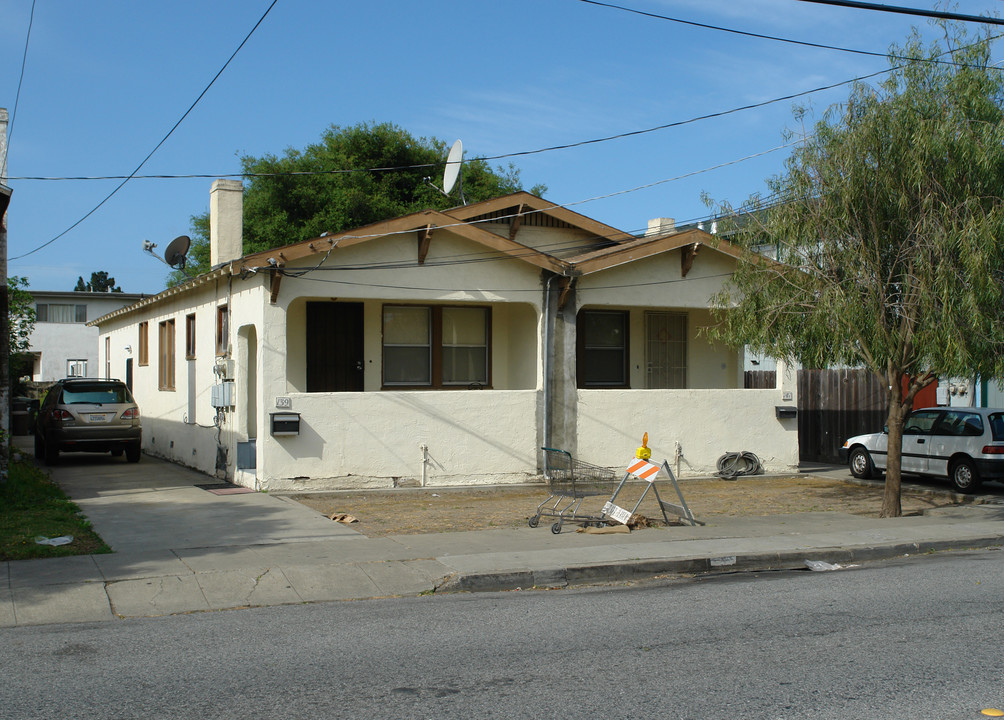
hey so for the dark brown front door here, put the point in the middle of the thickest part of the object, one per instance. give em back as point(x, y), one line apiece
point(334, 347)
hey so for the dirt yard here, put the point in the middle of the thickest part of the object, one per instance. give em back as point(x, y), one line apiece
point(410, 511)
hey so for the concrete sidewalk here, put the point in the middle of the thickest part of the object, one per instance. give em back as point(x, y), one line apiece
point(180, 548)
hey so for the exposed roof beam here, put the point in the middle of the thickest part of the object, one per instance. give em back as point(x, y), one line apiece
point(424, 241)
point(687, 257)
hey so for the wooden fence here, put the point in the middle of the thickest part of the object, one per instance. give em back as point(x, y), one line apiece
point(834, 405)
point(760, 379)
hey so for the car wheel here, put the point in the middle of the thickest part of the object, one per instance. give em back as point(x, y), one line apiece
point(133, 452)
point(964, 476)
point(51, 453)
point(861, 463)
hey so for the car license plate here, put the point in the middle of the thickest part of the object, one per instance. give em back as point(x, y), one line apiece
point(97, 418)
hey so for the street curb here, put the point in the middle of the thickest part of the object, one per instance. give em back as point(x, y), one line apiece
point(647, 569)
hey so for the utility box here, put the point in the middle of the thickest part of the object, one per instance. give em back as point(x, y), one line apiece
point(285, 423)
point(222, 395)
point(785, 412)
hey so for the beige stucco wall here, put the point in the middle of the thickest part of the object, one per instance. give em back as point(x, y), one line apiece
point(372, 439)
point(706, 424)
point(378, 438)
point(350, 440)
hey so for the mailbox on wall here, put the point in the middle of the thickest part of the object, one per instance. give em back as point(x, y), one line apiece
point(784, 412)
point(285, 423)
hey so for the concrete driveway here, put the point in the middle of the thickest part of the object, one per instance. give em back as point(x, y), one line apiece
point(156, 505)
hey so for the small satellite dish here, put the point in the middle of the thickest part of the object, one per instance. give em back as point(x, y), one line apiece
point(177, 250)
point(454, 163)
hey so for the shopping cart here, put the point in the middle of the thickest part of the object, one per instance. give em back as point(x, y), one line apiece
point(569, 481)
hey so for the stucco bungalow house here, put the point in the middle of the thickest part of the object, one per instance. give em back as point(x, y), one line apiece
point(443, 347)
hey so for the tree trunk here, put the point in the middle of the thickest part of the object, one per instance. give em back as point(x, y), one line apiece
point(891, 503)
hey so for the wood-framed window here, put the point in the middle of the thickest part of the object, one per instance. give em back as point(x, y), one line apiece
point(144, 343)
point(222, 330)
point(436, 346)
point(190, 336)
point(602, 349)
point(165, 365)
point(76, 368)
point(60, 313)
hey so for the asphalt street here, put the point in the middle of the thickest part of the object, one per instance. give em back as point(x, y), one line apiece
point(916, 637)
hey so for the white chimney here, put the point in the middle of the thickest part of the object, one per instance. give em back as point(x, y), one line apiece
point(226, 221)
point(661, 226)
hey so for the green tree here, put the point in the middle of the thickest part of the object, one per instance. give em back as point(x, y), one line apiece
point(22, 314)
point(283, 206)
point(888, 227)
point(100, 282)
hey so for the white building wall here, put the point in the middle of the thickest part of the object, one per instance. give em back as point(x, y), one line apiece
point(170, 429)
point(58, 342)
point(55, 343)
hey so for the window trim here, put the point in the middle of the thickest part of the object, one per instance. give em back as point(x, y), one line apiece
point(165, 362)
point(581, 350)
point(71, 362)
point(222, 329)
point(144, 344)
point(79, 313)
point(190, 336)
point(436, 349)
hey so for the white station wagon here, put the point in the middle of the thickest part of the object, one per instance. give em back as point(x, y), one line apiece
point(966, 445)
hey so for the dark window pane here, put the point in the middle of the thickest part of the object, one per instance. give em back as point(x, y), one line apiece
point(603, 367)
point(603, 329)
point(406, 366)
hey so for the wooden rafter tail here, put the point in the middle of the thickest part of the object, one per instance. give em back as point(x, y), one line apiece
point(687, 256)
point(276, 281)
point(566, 284)
point(516, 223)
point(424, 241)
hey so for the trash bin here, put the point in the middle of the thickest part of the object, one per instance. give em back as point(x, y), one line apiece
point(19, 424)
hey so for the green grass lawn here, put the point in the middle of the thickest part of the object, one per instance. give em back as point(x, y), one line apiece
point(32, 506)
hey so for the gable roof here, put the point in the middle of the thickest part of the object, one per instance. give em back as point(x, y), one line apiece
point(612, 246)
point(424, 221)
point(639, 248)
point(523, 204)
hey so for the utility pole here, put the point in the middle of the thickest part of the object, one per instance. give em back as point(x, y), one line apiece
point(4, 306)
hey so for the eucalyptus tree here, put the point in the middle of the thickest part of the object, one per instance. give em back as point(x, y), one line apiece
point(886, 229)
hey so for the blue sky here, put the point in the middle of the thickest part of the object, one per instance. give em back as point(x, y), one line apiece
point(105, 81)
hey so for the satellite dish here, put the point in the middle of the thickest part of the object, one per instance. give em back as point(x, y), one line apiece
point(177, 250)
point(454, 163)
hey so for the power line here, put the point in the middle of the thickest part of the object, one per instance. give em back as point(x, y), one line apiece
point(744, 33)
point(484, 158)
point(162, 141)
point(17, 96)
point(938, 14)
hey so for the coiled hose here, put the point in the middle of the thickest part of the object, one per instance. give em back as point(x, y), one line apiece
point(733, 464)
